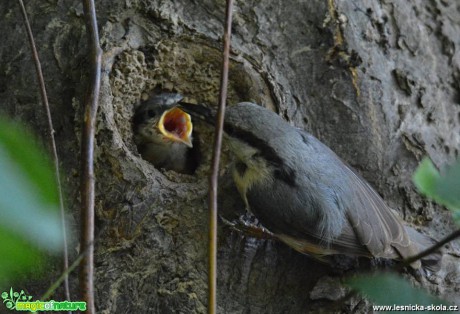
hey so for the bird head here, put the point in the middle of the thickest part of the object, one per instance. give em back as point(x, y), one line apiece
point(250, 130)
point(159, 121)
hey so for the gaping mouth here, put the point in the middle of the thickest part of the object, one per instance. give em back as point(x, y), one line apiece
point(176, 125)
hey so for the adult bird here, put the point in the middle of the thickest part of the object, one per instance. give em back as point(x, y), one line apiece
point(302, 192)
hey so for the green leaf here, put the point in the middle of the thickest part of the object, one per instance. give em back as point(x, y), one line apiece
point(426, 177)
point(448, 187)
point(29, 217)
point(20, 147)
point(19, 254)
point(389, 289)
point(443, 187)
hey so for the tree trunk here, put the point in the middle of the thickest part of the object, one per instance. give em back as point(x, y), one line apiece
point(377, 81)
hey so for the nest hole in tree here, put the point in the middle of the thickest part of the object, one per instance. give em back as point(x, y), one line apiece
point(192, 68)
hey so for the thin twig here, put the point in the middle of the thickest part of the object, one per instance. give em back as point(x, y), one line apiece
point(212, 276)
point(50, 291)
point(64, 275)
point(52, 144)
point(87, 159)
point(405, 263)
point(429, 250)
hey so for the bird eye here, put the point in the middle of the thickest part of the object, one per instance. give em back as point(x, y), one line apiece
point(150, 113)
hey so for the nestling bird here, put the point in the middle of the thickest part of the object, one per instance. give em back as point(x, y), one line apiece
point(303, 193)
point(163, 133)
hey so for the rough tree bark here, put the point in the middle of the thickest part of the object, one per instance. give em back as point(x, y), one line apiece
point(378, 81)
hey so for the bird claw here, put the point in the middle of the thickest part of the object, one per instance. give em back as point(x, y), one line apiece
point(248, 228)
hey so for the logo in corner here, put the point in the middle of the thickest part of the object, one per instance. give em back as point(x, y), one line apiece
point(10, 299)
point(20, 301)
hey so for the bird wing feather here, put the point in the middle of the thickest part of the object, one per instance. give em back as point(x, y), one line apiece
point(370, 224)
point(386, 232)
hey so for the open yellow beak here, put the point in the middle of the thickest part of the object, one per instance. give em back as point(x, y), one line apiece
point(176, 125)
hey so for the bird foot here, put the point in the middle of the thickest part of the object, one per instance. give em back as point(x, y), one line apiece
point(248, 228)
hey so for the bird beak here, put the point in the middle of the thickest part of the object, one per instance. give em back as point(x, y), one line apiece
point(200, 112)
point(176, 125)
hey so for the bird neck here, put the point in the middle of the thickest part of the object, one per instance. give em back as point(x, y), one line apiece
point(248, 173)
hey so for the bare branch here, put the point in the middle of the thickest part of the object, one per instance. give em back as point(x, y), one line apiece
point(213, 180)
point(400, 266)
point(52, 144)
point(64, 275)
point(430, 250)
point(87, 160)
